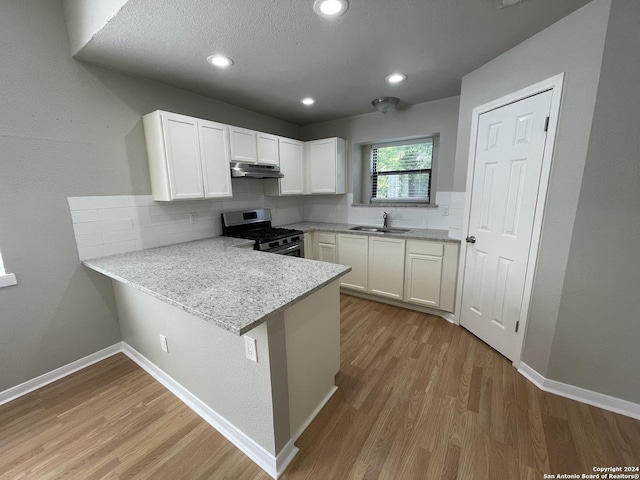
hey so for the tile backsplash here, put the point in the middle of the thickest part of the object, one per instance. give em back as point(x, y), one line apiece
point(340, 209)
point(106, 225)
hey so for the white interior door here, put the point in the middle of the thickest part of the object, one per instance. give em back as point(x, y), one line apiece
point(506, 178)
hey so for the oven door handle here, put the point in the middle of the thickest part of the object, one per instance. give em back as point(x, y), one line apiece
point(290, 248)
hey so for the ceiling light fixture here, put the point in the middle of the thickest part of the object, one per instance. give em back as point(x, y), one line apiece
point(396, 78)
point(385, 104)
point(308, 101)
point(509, 3)
point(330, 8)
point(220, 61)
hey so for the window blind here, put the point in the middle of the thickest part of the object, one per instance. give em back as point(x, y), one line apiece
point(401, 171)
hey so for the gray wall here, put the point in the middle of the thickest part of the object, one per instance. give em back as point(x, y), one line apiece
point(573, 45)
point(68, 129)
point(598, 329)
point(85, 18)
point(206, 360)
point(423, 119)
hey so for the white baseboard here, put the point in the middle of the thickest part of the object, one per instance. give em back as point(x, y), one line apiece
point(285, 457)
point(273, 465)
point(265, 460)
point(600, 400)
point(314, 414)
point(50, 377)
point(449, 317)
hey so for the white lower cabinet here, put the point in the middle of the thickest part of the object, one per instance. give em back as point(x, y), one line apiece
point(386, 267)
point(308, 246)
point(419, 272)
point(326, 250)
point(353, 251)
point(430, 274)
point(423, 280)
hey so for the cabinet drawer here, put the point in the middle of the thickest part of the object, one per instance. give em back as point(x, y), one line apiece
point(425, 248)
point(327, 238)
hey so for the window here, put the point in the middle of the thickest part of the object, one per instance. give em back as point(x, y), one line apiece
point(402, 171)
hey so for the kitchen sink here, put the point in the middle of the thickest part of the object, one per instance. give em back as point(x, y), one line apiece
point(364, 228)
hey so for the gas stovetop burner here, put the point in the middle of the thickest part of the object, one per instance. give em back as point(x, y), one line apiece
point(256, 225)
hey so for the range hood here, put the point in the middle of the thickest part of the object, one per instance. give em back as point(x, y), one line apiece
point(249, 170)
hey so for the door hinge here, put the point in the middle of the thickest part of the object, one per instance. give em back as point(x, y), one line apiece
point(546, 124)
point(517, 325)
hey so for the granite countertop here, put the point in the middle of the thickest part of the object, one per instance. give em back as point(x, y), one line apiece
point(234, 288)
point(412, 234)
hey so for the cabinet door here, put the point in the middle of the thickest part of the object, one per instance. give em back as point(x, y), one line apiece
point(214, 149)
point(322, 166)
point(291, 160)
point(353, 252)
point(327, 252)
point(423, 279)
point(243, 145)
point(183, 156)
point(268, 149)
point(386, 267)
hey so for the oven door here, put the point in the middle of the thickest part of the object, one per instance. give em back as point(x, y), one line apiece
point(292, 250)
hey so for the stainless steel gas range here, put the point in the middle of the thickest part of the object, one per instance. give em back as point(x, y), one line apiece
point(256, 225)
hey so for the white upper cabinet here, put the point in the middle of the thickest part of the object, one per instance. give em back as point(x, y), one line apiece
point(214, 149)
point(182, 151)
point(291, 166)
point(268, 152)
point(326, 166)
point(243, 145)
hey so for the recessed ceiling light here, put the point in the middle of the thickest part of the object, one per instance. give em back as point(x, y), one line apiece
point(396, 78)
point(330, 8)
point(308, 101)
point(220, 61)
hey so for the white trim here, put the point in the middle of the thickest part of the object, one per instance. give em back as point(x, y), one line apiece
point(596, 399)
point(314, 414)
point(265, 460)
point(285, 457)
point(449, 317)
point(555, 84)
point(50, 377)
point(8, 279)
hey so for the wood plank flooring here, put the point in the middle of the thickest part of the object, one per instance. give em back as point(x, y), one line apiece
point(418, 398)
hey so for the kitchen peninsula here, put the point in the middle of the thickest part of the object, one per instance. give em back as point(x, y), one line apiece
point(205, 298)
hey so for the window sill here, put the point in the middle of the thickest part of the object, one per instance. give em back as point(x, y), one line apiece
point(7, 280)
point(396, 204)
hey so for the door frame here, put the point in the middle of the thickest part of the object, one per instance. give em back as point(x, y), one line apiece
point(554, 84)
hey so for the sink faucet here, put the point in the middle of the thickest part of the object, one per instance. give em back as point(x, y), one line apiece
point(385, 219)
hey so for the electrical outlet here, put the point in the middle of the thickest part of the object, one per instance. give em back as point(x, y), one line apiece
point(194, 218)
point(163, 344)
point(251, 349)
point(445, 211)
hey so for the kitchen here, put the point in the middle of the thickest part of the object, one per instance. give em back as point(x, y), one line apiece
point(72, 129)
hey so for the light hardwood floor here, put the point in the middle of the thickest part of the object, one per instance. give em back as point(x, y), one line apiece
point(419, 398)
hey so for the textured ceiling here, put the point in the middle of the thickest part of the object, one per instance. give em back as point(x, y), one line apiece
point(284, 52)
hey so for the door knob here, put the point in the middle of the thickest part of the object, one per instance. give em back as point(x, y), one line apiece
point(471, 239)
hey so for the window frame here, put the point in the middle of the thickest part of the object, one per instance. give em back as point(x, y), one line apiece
point(373, 174)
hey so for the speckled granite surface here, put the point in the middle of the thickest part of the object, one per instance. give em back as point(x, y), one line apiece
point(234, 288)
point(414, 233)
